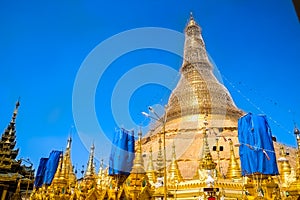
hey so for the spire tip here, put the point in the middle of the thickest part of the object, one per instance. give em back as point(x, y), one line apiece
point(191, 15)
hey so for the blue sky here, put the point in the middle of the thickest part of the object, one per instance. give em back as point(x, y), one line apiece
point(255, 45)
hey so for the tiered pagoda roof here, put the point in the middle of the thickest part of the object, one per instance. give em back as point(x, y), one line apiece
point(14, 177)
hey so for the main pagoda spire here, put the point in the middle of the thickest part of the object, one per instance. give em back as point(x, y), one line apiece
point(198, 91)
point(194, 47)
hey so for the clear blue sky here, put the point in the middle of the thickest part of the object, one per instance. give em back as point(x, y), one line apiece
point(255, 45)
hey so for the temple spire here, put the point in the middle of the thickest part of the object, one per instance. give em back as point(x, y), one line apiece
point(57, 176)
point(14, 116)
point(101, 176)
point(67, 164)
point(205, 149)
point(194, 47)
point(198, 91)
point(101, 169)
point(8, 142)
point(192, 22)
point(160, 159)
point(206, 162)
point(234, 170)
point(174, 172)
point(90, 170)
point(137, 180)
point(65, 177)
point(151, 173)
point(69, 143)
point(138, 163)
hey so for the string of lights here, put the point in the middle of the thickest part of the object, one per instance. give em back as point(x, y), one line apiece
point(275, 103)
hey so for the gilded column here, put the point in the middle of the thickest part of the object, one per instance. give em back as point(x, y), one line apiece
point(4, 192)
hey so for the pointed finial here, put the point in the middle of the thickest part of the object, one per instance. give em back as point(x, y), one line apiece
point(69, 142)
point(139, 147)
point(233, 170)
point(138, 162)
point(90, 165)
point(191, 16)
point(174, 172)
point(101, 173)
point(151, 173)
point(150, 163)
point(15, 111)
point(296, 131)
point(102, 163)
point(191, 21)
point(160, 159)
point(18, 103)
point(140, 134)
point(173, 150)
point(101, 167)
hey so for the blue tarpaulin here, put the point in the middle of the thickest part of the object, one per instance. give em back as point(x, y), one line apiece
point(256, 150)
point(39, 178)
point(51, 166)
point(131, 150)
point(122, 153)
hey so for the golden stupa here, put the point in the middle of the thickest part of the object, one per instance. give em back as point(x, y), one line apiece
point(191, 152)
point(198, 97)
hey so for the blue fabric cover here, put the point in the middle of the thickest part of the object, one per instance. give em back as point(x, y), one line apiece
point(51, 166)
point(256, 150)
point(122, 153)
point(39, 178)
point(131, 150)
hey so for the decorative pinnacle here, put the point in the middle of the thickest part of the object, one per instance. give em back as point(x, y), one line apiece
point(15, 111)
point(150, 163)
point(206, 162)
point(140, 134)
point(191, 21)
point(101, 167)
point(160, 159)
point(90, 165)
point(138, 163)
point(296, 131)
point(191, 16)
point(151, 172)
point(102, 163)
point(69, 143)
point(173, 151)
point(234, 170)
point(205, 141)
point(174, 172)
